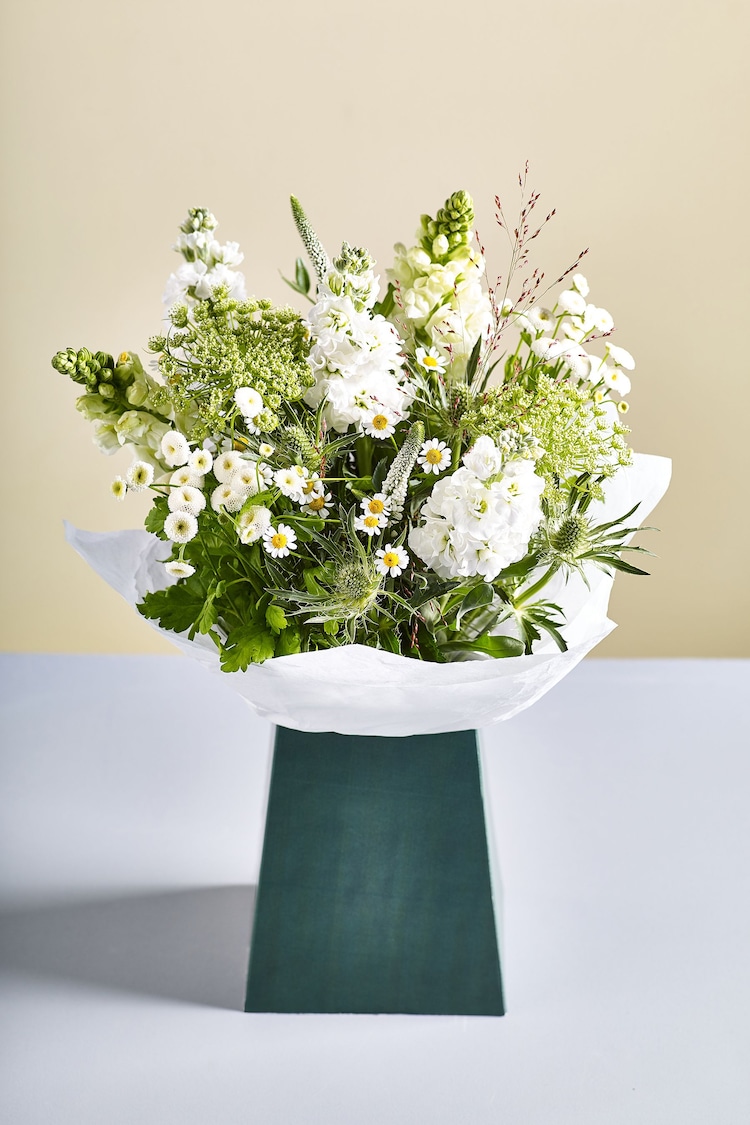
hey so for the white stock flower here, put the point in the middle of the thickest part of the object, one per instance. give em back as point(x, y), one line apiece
point(175, 448)
point(186, 499)
point(620, 356)
point(434, 456)
point(139, 476)
point(179, 569)
point(180, 527)
point(279, 541)
point(390, 560)
point(484, 459)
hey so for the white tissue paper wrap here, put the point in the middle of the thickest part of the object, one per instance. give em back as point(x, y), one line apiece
point(359, 690)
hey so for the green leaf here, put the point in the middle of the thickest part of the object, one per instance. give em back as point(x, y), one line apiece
point(471, 366)
point(289, 641)
point(301, 276)
point(427, 645)
point(477, 596)
point(177, 608)
point(331, 628)
point(209, 614)
point(276, 618)
point(247, 644)
point(379, 474)
point(499, 647)
point(157, 514)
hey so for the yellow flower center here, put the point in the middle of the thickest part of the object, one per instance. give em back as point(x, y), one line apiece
point(123, 357)
point(390, 558)
point(371, 521)
point(317, 503)
point(433, 456)
point(377, 507)
point(429, 361)
point(380, 422)
point(278, 540)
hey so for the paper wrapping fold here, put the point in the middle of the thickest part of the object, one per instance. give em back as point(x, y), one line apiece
point(359, 690)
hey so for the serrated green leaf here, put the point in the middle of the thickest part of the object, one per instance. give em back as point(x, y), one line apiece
point(276, 618)
point(247, 644)
point(156, 516)
point(176, 608)
point(289, 641)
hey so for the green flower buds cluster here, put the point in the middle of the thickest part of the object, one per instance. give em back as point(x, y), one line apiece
point(92, 370)
point(353, 259)
point(452, 226)
point(198, 219)
point(310, 240)
point(396, 483)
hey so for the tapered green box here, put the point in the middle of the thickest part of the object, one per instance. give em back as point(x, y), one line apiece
point(375, 893)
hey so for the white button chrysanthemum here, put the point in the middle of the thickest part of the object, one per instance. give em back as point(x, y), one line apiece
point(391, 560)
point(620, 356)
point(246, 479)
point(249, 401)
point(180, 527)
point(140, 475)
point(200, 461)
point(226, 464)
point(265, 450)
point(225, 498)
point(186, 475)
point(179, 569)
point(580, 283)
point(186, 499)
point(597, 319)
point(379, 423)
point(617, 380)
point(253, 523)
point(434, 456)
point(371, 525)
point(572, 302)
point(431, 360)
point(279, 541)
point(118, 488)
point(290, 482)
point(175, 448)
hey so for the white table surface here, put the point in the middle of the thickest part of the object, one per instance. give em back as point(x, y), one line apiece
point(133, 795)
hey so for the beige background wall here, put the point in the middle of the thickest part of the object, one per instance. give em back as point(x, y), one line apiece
point(633, 114)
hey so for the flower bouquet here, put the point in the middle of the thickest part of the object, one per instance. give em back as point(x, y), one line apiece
point(398, 513)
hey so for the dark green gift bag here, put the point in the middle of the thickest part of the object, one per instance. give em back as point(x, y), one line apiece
point(374, 892)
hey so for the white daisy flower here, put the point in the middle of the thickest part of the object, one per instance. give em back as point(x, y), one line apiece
point(391, 560)
point(140, 475)
point(186, 499)
point(185, 475)
point(249, 402)
point(371, 525)
point(290, 482)
point(317, 505)
point(379, 423)
point(225, 464)
point(620, 356)
point(180, 527)
point(617, 380)
point(175, 448)
point(253, 523)
point(179, 569)
point(245, 479)
point(580, 283)
point(200, 461)
point(377, 506)
point(279, 541)
point(431, 360)
point(118, 488)
point(266, 450)
point(434, 456)
point(225, 498)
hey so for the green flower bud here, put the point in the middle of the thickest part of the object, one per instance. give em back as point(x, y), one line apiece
point(107, 391)
point(310, 240)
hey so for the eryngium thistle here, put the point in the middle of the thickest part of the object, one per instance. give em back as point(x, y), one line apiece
point(570, 537)
point(310, 240)
point(355, 587)
point(396, 483)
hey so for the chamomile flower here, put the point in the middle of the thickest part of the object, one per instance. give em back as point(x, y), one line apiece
point(434, 456)
point(266, 450)
point(379, 423)
point(253, 523)
point(225, 498)
point(140, 475)
point(179, 569)
point(620, 356)
point(118, 488)
point(431, 360)
point(377, 506)
point(186, 499)
point(175, 449)
point(371, 525)
point(200, 461)
point(290, 482)
point(617, 380)
point(391, 560)
point(249, 402)
point(266, 472)
point(279, 541)
point(317, 505)
point(180, 527)
point(186, 475)
point(225, 464)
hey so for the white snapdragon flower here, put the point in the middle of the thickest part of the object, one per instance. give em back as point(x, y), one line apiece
point(434, 456)
point(180, 527)
point(175, 449)
point(179, 569)
point(279, 541)
point(139, 476)
point(186, 499)
point(390, 560)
